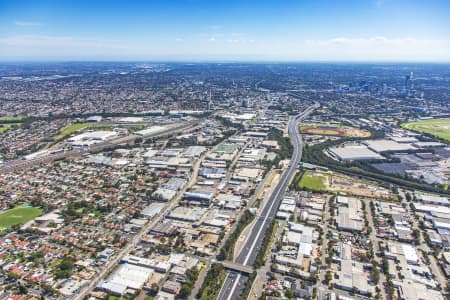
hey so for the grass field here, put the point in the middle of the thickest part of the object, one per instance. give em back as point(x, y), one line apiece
point(312, 181)
point(72, 128)
point(437, 127)
point(5, 127)
point(333, 130)
point(9, 119)
point(18, 215)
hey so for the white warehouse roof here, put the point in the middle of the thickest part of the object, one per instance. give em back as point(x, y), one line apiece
point(354, 152)
point(151, 130)
point(387, 145)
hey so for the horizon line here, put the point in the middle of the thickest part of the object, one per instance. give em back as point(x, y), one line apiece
point(249, 61)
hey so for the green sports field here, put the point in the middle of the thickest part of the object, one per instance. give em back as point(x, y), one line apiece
point(18, 215)
point(312, 181)
point(437, 127)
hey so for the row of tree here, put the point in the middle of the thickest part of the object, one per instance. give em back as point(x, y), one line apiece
point(227, 251)
point(213, 282)
point(261, 257)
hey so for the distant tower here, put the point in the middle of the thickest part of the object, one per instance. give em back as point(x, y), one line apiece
point(407, 81)
point(246, 103)
point(407, 87)
point(209, 101)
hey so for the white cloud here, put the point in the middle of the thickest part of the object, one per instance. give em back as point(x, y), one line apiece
point(239, 40)
point(28, 23)
point(372, 41)
point(58, 46)
point(380, 48)
point(57, 41)
point(227, 46)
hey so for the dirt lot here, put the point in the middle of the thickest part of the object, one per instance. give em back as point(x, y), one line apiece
point(344, 185)
point(358, 188)
point(333, 130)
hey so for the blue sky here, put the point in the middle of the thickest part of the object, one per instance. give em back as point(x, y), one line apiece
point(277, 30)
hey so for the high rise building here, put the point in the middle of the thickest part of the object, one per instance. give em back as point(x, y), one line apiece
point(247, 103)
point(408, 84)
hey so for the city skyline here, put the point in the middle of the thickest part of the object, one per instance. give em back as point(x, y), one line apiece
point(351, 31)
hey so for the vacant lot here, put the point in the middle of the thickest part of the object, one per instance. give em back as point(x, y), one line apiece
point(350, 186)
point(333, 130)
point(72, 128)
point(437, 127)
point(312, 181)
point(18, 215)
point(338, 183)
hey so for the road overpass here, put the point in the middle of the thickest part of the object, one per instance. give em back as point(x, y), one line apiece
point(237, 267)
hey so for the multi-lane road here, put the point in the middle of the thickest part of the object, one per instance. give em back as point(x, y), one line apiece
point(235, 282)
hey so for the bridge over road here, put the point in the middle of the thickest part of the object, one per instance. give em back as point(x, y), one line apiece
point(237, 267)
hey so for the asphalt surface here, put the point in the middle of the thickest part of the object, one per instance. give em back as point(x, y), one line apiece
point(235, 282)
point(212, 259)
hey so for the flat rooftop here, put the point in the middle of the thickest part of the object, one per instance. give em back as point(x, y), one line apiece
point(388, 145)
point(354, 152)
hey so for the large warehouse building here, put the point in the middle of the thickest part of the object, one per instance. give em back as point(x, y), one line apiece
point(354, 152)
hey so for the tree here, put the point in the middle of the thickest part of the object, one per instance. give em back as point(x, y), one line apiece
point(64, 268)
point(23, 290)
point(289, 294)
point(375, 274)
point(328, 276)
point(185, 291)
point(378, 294)
point(416, 234)
point(408, 197)
point(212, 283)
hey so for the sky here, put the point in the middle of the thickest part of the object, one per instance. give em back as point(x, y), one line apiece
point(231, 30)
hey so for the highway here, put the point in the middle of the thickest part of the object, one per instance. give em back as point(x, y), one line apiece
point(212, 259)
point(235, 282)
